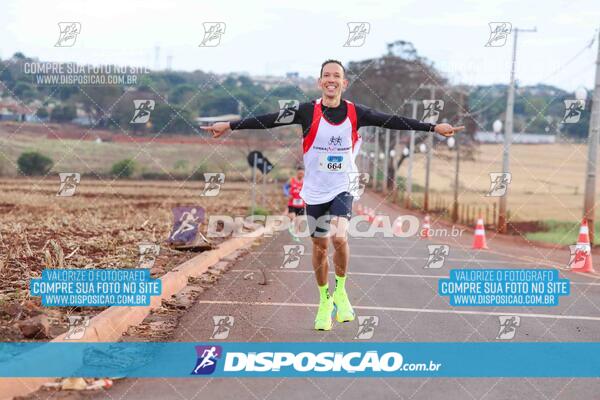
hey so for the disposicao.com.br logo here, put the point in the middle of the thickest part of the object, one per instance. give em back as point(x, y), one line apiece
point(363, 362)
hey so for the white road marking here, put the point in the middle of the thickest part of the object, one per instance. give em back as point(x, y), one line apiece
point(464, 247)
point(424, 258)
point(450, 259)
point(283, 270)
point(297, 271)
point(405, 309)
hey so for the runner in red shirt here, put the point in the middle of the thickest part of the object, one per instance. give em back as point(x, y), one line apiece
point(296, 203)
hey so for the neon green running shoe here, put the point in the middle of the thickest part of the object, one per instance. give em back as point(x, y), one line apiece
point(323, 321)
point(344, 313)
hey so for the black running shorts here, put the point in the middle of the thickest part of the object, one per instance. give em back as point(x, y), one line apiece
point(319, 215)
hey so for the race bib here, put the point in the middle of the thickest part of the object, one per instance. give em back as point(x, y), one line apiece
point(333, 162)
point(297, 202)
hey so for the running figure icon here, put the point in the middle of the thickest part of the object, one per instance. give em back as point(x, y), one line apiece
point(207, 359)
point(188, 220)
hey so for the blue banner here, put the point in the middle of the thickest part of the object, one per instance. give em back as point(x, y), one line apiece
point(95, 287)
point(311, 359)
point(503, 287)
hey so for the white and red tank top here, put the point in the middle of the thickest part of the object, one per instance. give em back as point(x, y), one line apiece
point(329, 156)
point(295, 199)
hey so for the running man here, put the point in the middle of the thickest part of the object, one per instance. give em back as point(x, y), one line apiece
point(330, 143)
point(295, 202)
point(188, 221)
point(208, 356)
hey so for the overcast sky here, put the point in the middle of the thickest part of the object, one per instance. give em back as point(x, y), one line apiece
point(271, 37)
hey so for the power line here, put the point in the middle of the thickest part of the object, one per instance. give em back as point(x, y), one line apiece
point(576, 56)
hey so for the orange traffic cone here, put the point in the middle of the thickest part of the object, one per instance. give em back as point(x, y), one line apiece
point(479, 239)
point(582, 262)
point(426, 230)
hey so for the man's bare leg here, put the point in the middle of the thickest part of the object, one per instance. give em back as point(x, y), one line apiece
point(341, 257)
point(319, 259)
point(341, 251)
point(323, 320)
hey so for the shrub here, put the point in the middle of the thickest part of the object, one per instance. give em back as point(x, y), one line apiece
point(156, 176)
point(259, 211)
point(198, 174)
point(181, 165)
point(42, 113)
point(123, 168)
point(33, 163)
point(63, 114)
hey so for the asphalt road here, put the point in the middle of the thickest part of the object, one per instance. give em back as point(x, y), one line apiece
point(387, 279)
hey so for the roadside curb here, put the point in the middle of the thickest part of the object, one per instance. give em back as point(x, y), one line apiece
point(110, 324)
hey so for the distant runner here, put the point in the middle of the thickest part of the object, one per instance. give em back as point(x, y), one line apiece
point(331, 142)
point(295, 202)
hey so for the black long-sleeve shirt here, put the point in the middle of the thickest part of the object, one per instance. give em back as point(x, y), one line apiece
point(365, 117)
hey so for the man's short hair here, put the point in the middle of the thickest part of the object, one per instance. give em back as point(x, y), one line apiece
point(332, 62)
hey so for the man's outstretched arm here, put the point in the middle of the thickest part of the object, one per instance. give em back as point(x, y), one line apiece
point(265, 121)
point(370, 117)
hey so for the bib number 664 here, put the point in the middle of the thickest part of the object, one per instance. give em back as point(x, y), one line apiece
point(332, 166)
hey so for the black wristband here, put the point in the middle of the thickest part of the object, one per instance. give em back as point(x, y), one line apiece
point(431, 127)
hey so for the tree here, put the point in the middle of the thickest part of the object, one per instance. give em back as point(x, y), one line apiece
point(42, 113)
point(389, 82)
point(98, 101)
point(6, 76)
point(33, 163)
point(181, 94)
point(24, 91)
point(123, 111)
point(63, 114)
point(170, 118)
point(123, 168)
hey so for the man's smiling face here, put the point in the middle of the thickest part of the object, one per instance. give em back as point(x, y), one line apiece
point(332, 81)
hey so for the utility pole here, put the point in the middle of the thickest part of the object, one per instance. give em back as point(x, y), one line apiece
point(456, 180)
point(264, 188)
point(411, 151)
point(429, 152)
point(364, 154)
point(386, 161)
point(594, 133)
point(457, 149)
point(395, 153)
point(376, 158)
point(254, 183)
point(508, 129)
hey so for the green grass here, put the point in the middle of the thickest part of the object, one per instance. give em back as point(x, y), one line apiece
point(258, 211)
point(88, 157)
point(560, 232)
